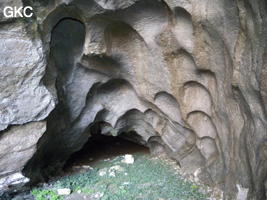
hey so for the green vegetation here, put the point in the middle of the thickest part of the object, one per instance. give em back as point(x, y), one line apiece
point(43, 194)
point(146, 179)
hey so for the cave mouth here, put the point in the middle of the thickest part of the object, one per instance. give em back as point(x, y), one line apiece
point(102, 147)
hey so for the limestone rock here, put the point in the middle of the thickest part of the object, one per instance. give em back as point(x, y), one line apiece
point(185, 77)
point(22, 66)
point(13, 180)
point(63, 191)
point(128, 159)
point(17, 146)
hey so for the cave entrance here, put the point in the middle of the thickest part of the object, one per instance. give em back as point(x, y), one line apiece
point(101, 147)
point(65, 72)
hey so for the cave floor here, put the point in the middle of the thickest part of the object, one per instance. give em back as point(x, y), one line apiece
point(112, 168)
point(119, 178)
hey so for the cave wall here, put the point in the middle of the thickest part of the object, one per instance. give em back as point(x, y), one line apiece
point(186, 75)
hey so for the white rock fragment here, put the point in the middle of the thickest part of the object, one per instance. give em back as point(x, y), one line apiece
point(116, 168)
point(196, 174)
point(87, 167)
point(242, 192)
point(126, 183)
point(12, 180)
point(112, 174)
point(63, 191)
point(99, 195)
point(102, 172)
point(128, 159)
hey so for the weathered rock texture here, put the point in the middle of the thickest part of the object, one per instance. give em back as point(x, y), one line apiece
point(184, 76)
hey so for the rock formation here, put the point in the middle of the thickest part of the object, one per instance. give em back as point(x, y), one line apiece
point(184, 76)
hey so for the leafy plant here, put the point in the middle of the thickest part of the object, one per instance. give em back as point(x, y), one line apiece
point(44, 194)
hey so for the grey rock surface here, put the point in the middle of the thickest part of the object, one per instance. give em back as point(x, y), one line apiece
point(17, 146)
point(183, 76)
point(22, 65)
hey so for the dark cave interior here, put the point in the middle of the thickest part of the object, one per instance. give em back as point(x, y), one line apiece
point(101, 147)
